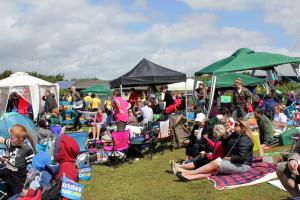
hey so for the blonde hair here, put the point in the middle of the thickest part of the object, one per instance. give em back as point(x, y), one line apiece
point(19, 131)
point(220, 129)
point(246, 128)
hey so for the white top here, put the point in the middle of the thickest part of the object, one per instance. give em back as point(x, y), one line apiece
point(279, 118)
point(147, 114)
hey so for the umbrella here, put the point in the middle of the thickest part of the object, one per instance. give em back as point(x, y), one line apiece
point(8, 120)
point(102, 89)
point(245, 59)
point(226, 80)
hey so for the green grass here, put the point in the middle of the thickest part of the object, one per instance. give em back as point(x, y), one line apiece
point(151, 179)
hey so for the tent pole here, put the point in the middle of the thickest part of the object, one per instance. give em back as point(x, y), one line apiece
point(185, 99)
point(212, 94)
point(121, 88)
point(194, 88)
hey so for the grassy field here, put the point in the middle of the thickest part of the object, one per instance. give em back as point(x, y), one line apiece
point(151, 179)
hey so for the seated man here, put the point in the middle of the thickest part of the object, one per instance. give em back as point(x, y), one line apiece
point(265, 127)
point(279, 121)
point(288, 171)
point(146, 112)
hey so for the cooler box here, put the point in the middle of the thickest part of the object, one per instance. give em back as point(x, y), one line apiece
point(285, 138)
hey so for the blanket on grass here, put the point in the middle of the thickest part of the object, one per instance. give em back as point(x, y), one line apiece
point(259, 173)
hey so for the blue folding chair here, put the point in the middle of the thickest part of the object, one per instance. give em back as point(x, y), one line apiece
point(80, 138)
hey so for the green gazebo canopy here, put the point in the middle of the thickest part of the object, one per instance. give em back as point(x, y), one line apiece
point(99, 89)
point(226, 80)
point(247, 59)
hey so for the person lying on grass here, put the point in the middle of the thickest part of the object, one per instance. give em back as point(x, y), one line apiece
point(238, 159)
point(205, 158)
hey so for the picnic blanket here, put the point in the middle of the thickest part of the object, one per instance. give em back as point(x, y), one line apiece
point(259, 173)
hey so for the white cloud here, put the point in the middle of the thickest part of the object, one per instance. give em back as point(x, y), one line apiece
point(140, 4)
point(284, 13)
point(220, 4)
point(84, 40)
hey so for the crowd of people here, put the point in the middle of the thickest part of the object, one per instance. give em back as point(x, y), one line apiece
point(222, 143)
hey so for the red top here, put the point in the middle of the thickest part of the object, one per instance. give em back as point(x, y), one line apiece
point(22, 106)
point(178, 102)
point(218, 150)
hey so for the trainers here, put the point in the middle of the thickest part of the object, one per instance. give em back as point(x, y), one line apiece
point(172, 165)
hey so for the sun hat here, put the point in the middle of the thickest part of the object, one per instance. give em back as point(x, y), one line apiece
point(200, 117)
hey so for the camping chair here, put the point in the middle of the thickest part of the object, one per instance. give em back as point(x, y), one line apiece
point(164, 136)
point(118, 150)
point(81, 139)
point(143, 143)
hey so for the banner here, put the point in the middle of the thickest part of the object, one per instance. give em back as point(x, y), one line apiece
point(85, 173)
point(225, 99)
point(70, 189)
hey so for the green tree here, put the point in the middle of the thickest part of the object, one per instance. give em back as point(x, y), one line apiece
point(5, 74)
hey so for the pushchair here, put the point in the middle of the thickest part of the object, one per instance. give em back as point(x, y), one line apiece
point(293, 114)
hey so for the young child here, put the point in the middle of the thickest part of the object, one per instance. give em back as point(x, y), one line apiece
point(18, 156)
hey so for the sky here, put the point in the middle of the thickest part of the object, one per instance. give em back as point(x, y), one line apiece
point(107, 38)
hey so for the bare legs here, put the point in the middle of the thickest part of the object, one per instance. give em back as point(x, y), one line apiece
point(288, 184)
point(202, 172)
point(96, 132)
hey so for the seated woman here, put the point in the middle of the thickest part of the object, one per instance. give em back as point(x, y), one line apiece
point(288, 172)
point(218, 152)
point(238, 159)
point(100, 121)
point(195, 142)
point(279, 120)
point(132, 120)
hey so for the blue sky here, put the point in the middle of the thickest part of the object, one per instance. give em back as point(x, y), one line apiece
point(107, 38)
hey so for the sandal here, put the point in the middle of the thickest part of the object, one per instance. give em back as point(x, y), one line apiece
point(182, 178)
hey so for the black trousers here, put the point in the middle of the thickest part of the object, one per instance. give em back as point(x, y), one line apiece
point(77, 121)
point(13, 183)
point(121, 126)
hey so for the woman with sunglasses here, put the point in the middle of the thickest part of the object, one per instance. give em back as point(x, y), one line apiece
point(238, 159)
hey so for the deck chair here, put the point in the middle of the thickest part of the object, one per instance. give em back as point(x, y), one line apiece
point(118, 150)
point(164, 135)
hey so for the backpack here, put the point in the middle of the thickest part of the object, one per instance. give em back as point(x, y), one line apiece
point(53, 191)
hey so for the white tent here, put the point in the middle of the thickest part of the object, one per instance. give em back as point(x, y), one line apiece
point(30, 88)
point(181, 85)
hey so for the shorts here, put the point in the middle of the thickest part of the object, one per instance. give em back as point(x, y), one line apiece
point(227, 167)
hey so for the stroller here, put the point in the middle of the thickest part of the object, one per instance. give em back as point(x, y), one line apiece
point(293, 114)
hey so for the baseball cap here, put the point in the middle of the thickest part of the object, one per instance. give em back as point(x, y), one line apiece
point(200, 117)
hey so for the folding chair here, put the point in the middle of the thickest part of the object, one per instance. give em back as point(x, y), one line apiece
point(81, 139)
point(143, 143)
point(119, 148)
point(164, 135)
